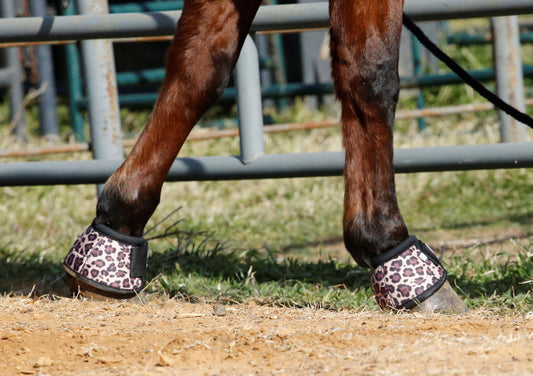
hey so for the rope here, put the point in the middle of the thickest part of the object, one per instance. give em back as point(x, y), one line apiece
point(465, 76)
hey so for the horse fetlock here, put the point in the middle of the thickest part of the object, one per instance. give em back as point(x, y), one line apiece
point(123, 211)
point(366, 239)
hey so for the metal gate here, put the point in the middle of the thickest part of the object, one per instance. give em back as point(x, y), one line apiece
point(94, 26)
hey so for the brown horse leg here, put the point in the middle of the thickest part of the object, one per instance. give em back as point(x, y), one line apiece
point(199, 63)
point(200, 60)
point(365, 39)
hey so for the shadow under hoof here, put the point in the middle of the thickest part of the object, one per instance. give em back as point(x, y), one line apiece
point(79, 288)
point(444, 300)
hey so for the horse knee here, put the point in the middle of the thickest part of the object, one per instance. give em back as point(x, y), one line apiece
point(204, 51)
point(368, 87)
point(192, 85)
point(364, 45)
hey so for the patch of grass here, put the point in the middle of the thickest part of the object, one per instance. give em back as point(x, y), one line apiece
point(500, 282)
point(197, 268)
point(465, 200)
point(27, 271)
point(279, 241)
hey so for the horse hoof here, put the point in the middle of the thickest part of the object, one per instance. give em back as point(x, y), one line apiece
point(444, 300)
point(79, 288)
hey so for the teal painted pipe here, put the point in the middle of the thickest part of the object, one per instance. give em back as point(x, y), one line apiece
point(452, 78)
point(417, 72)
point(296, 89)
point(156, 75)
point(145, 76)
point(146, 6)
point(464, 39)
point(74, 84)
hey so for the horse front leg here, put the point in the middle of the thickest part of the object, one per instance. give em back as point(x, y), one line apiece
point(110, 256)
point(365, 39)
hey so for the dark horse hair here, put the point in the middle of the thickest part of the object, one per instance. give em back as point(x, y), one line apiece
point(365, 38)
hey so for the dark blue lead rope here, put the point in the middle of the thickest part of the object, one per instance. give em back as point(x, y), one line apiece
point(465, 76)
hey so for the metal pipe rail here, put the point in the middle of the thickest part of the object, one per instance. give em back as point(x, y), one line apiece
point(275, 128)
point(250, 165)
point(428, 159)
point(291, 17)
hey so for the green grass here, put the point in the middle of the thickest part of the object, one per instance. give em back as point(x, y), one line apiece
point(500, 283)
point(197, 270)
point(278, 241)
point(212, 272)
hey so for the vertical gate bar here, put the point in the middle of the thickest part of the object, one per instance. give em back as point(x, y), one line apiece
point(75, 91)
point(47, 100)
point(16, 93)
point(509, 75)
point(100, 78)
point(75, 88)
point(249, 106)
point(417, 72)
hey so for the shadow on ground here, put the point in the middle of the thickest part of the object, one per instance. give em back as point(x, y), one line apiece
point(24, 274)
point(28, 275)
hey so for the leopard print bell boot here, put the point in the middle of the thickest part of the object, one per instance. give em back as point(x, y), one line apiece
point(107, 262)
point(406, 275)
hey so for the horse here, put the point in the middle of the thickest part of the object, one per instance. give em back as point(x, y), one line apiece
point(109, 258)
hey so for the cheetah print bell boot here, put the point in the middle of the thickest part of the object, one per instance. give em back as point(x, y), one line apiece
point(405, 276)
point(107, 263)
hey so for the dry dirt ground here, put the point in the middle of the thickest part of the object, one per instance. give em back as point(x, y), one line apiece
point(167, 337)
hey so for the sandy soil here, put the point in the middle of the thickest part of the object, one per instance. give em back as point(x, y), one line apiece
point(166, 337)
